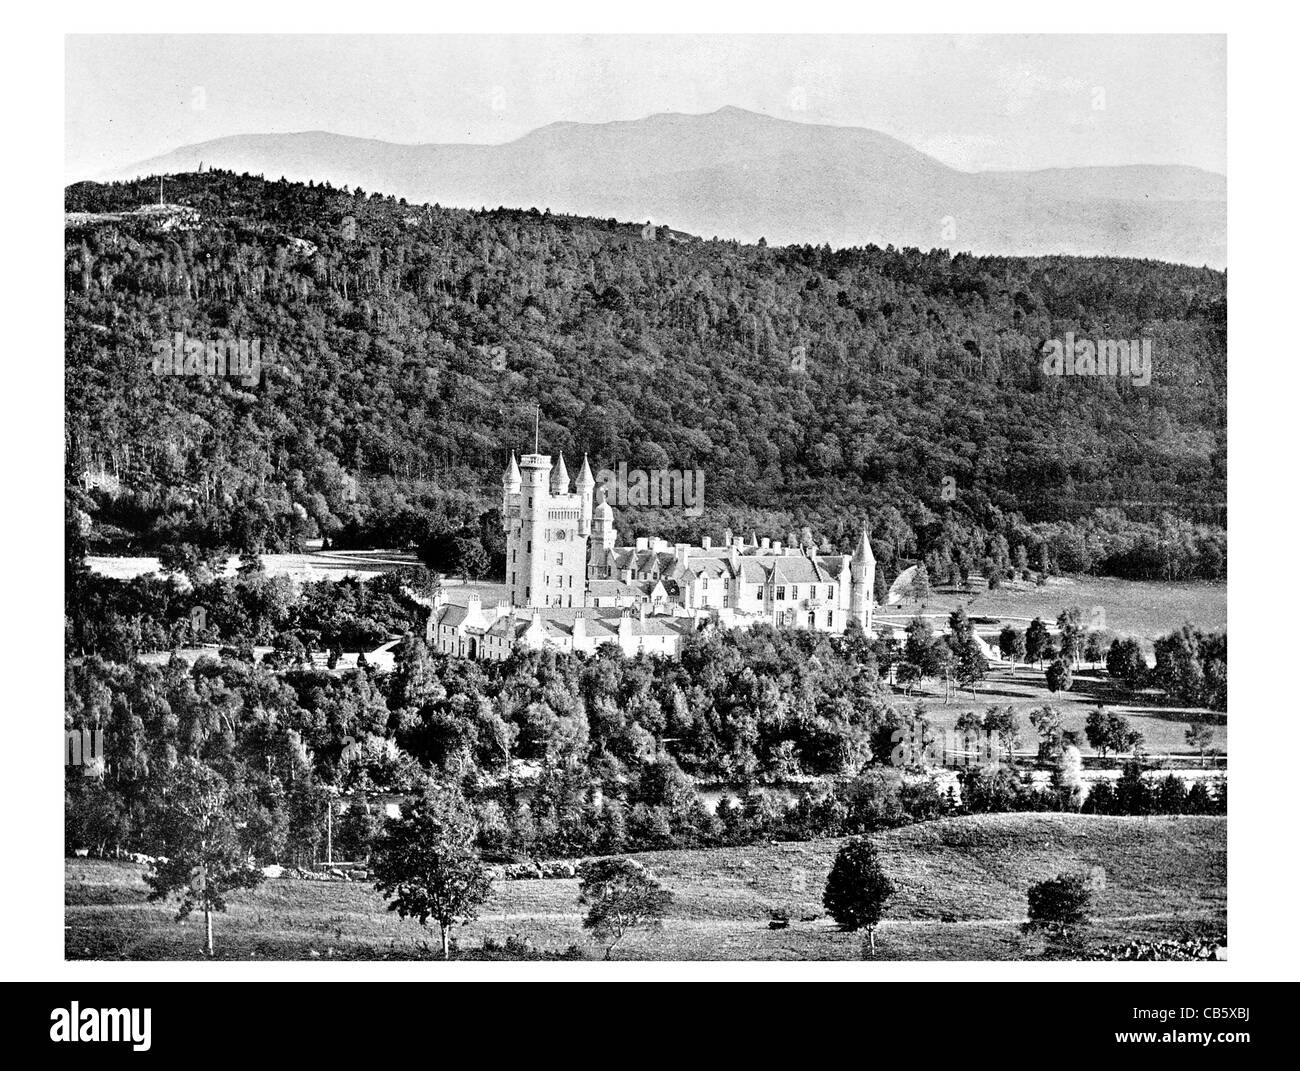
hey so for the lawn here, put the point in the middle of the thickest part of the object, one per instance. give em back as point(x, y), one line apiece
point(1162, 724)
point(961, 895)
point(1143, 608)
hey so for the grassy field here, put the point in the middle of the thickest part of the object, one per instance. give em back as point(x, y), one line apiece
point(961, 895)
point(1162, 724)
point(1142, 608)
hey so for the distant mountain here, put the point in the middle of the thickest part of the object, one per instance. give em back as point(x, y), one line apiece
point(738, 174)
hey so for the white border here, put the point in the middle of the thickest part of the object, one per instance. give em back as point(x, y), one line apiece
point(1262, 386)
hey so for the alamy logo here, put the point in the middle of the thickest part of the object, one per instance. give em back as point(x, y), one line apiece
point(84, 748)
point(234, 357)
point(921, 747)
point(76, 1023)
point(657, 487)
point(1105, 357)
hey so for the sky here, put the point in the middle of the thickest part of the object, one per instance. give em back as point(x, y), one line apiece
point(974, 102)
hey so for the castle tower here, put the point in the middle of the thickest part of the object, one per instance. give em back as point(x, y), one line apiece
point(586, 485)
point(603, 534)
point(510, 484)
point(525, 546)
point(546, 548)
point(560, 481)
point(862, 573)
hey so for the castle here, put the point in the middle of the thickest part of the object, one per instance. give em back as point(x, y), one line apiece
point(572, 587)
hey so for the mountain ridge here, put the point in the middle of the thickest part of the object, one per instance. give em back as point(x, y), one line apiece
point(743, 175)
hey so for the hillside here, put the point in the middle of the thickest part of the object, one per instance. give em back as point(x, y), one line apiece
point(741, 175)
point(403, 349)
point(961, 895)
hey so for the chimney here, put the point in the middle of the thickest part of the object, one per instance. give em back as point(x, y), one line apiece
point(642, 543)
point(683, 552)
point(641, 611)
point(625, 626)
point(764, 543)
point(580, 626)
point(733, 553)
point(776, 547)
point(707, 542)
point(726, 538)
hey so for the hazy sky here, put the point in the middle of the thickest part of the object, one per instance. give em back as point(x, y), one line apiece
point(974, 102)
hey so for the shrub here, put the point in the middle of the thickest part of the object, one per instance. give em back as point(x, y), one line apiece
point(1059, 903)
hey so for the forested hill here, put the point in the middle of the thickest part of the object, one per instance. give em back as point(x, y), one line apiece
point(403, 348)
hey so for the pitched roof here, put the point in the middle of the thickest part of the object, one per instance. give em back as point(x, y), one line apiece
point(609, 588)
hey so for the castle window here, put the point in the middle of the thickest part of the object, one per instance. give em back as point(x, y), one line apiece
point(794, 591)
point(780, 591)
point(812, 620)
point(559, 558)
point(830, 618)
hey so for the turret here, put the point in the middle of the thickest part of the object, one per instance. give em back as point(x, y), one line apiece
point(560, 479)
point(863, 574)
point(510, 484)
point(534, 504)
point(603, 524)
point(586, 486)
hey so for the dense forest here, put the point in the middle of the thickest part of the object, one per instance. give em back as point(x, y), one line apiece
point(403, 348)
point(617, 745)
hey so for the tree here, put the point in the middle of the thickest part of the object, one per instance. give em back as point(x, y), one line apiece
point(921, 650)
point(1059, 903)
point(1124, 661)
point(970, 665)
point(1199, 736)
point(427, 865)
point(1011, 642)
point(199, 564)
point(1071, 628)
point(1179, 666)
point(1036, 640)
point(1108, 731)
point(858, 888)
point(250, 563)
point(1002, 721)
point(622, 896)
point(1047, 722)
point(1092, 649)
point(203, 859)
point(470, 557)
point(970, 727)
point(920, 584)
point(907, 676)
point(1059, 676)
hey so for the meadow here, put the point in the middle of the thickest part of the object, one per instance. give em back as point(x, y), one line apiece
point(961, 889)
point(1162, 724)
point(1146, 609)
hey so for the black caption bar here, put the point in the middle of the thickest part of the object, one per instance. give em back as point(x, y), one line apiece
point(130, 1021)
